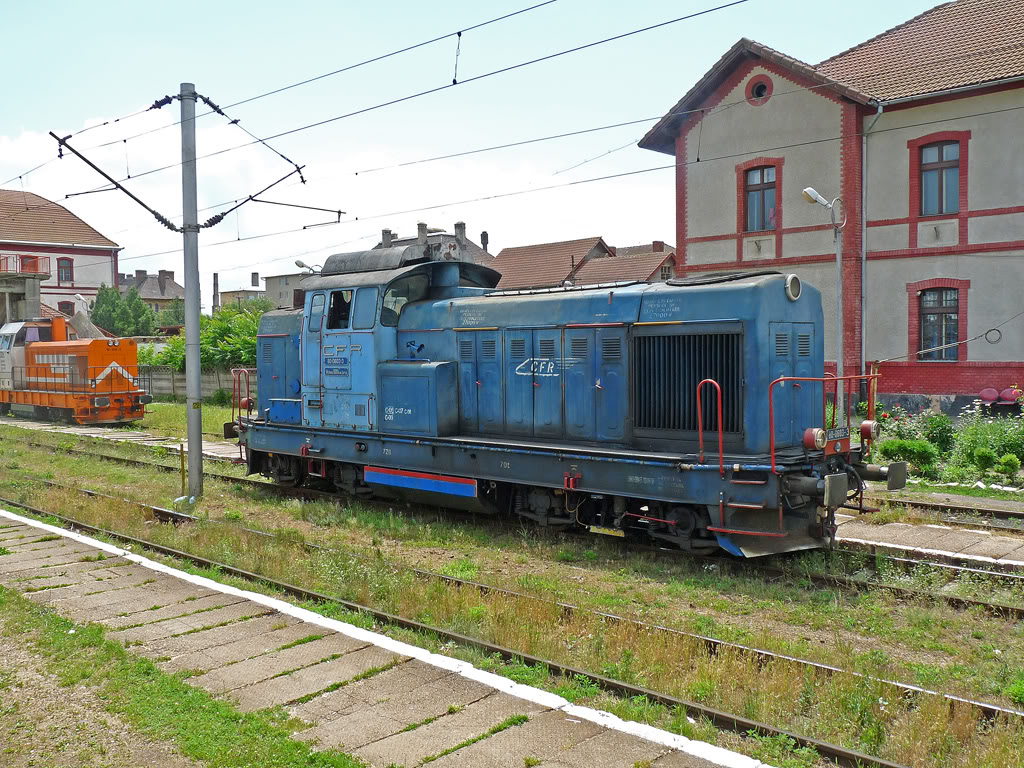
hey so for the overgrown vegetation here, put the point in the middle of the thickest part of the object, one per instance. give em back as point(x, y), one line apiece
point(122, 314)
point(977, 446)
point(226, 339)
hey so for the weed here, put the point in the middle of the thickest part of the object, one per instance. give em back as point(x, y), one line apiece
point(1015, 690)
point(4, 551)
point(782, 751)
point(233, 515)
point(300, 641)
point(530, 762)
point(463, 568)
point(577, 687)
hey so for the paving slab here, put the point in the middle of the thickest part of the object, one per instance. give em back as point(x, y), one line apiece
point(29, 538)
point(79, 597)
point(994, 547)
point(136, 597)
point(550, 735)
point(199, 621)
point(894, 534)
point(231, 652)
point(268, 665)
point(148, 615)
point(676, 759)
point(410, 747)
point(217, 636)
point(311, 680)
point(955, 542)
point(28, 559)
point(78, 573)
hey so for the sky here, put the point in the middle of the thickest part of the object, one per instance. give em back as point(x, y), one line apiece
point(82, 64)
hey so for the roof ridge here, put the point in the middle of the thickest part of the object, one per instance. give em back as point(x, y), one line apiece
point(882, 34)
point(49, 203)
point(595, 238)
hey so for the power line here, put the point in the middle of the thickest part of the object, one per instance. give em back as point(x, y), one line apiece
point(590, 180)
point(447, 86)
point(350, 67)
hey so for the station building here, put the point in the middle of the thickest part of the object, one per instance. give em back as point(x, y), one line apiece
point(919, 131)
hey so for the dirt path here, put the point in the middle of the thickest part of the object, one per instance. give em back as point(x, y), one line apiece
point(43, 723)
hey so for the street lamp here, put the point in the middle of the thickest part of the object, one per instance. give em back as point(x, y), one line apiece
point(303, 265)
point(811, 196)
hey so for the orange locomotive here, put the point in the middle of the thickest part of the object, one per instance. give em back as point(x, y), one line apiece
point(45, 374)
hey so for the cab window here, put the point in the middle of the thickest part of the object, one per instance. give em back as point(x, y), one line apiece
point(316, 312)
point(338, 310)
point(5, 342)
point(400, 293)
point(366, 308)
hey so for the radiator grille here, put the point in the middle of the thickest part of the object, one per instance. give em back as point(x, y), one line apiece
point(547, 348)
point(666, 371)
point(517, 347)
point(465, 349)
point(611, 348)
point(803, 344)
point(578, 346)
point(782, 345)
point(489, 348)
point(268, 352)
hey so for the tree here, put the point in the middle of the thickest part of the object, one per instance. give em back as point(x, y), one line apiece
point(173, 314)
point(125, 315)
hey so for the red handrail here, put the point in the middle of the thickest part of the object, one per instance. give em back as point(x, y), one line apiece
point(700, 426)
point(828, 377)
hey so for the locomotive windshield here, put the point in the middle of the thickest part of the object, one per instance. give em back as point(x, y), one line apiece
point(400, 293)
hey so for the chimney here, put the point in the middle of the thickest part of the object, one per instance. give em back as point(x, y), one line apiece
point(421, 233)
point(140, 277)
point(460, 232)
point(658, 246)
point(385, 238)
point(216, 291)
point(484, 237)
point(164, 276)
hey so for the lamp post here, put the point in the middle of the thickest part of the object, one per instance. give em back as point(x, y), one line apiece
point(811, 196)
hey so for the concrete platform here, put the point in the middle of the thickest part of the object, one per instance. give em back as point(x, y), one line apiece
point(384, 701)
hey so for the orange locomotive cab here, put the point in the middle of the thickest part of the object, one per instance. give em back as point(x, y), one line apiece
point(46, 374)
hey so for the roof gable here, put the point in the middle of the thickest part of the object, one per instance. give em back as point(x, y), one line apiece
point(641, 266)
point(29, 218)
point(704, 94)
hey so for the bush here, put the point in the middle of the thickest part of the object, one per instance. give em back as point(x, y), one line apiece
point(977, 430)
point(937, 429)
point(919, 453)
point(984, 458)
point(1008, 466)
point(220, 397)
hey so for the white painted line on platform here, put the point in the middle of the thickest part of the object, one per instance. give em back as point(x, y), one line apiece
point(1016, 564)
point(699, 749)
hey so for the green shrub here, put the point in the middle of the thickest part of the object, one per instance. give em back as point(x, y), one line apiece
point(220, 397)
point(937, 429)
point(1008, 466)
point(919, 453)
point(984, 458)
point(975, 429)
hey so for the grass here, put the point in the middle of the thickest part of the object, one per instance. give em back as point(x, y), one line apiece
point(169, 419)
point(926, 642)
point(160, 705)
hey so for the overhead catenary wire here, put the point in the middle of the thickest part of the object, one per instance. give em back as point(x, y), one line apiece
point(606, 177)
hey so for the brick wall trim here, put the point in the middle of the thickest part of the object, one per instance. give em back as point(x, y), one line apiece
point(741, 201)
point(752, 83)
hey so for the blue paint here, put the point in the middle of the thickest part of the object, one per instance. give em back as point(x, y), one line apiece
point(433, 484)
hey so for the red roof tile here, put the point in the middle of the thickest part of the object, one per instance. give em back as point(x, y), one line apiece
point(545, 264)
point(28, 218)
point(962, 43)
point(643, 266)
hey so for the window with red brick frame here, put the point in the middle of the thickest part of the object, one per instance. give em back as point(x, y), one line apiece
point(937, 315)
point(937, 162)
point(65, 270)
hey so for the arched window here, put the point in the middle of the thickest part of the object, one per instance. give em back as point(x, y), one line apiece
point(760, 198)
point(65, 270)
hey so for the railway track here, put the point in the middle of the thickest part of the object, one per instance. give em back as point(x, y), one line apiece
point(995, 513)
point(769, 571)
point(723, 720)
point(713, 645)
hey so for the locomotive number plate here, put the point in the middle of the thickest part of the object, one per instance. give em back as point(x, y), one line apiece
point(607, 531)
point(839, 433)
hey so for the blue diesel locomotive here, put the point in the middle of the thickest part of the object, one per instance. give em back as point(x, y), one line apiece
point(690, 412)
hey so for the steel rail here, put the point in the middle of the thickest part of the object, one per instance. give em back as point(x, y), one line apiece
point(724, 720)
point(941, 506)
point(712, 645)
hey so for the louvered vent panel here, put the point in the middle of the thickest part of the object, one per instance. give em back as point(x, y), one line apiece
point(518, 348)
point(782, 345)
point(360, 410)
point(578, 346)
point(611, 348)
point(465, 349)
point(489, 348)
point(666, 371)
point(803, 344)
point(268, 352)
point(547, 348)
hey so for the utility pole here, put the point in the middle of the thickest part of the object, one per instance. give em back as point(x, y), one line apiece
point(190, 229)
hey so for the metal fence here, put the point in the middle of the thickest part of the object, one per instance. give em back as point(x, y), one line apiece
point(79, 379)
